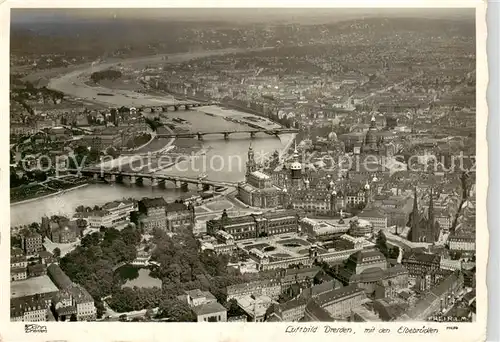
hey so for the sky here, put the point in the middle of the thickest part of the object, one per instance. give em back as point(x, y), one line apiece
point(239, 15)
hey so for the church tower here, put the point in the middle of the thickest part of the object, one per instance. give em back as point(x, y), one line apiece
point(367, 192)
point(371, 137)
point(333, 202)
point(415, 219)
point(432, 227)
point(296, 169)
point(251, 164)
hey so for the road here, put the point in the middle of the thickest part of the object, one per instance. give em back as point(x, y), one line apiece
point(389, 87)
point(403, 243)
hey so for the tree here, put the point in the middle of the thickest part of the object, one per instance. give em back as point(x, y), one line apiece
point(91, 239)
point(394, 252)
point(176, 311)
point(73, 318)
point(134, 217)
point(80, 209)
point(233, 309)
point(99, 305)
point(15, 242)
point(381, 243)
point(149, 314)
point(40, 176)
point(113, 152)
point(15, 181)
point(57, 252)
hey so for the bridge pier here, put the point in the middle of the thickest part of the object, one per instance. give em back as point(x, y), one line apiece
point(119, 179)
point(112, 179)
point(161, 183)
point(199, 186)
point(96, 176)
point(132, 180)
point(200, 136)
point(185, 187)
point(252, 135)
point(226, 136)
point(154, 181)
point(177, 184)
point(187, 107)
point(176, 108)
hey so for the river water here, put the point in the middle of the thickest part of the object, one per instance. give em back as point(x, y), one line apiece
point(223, 161)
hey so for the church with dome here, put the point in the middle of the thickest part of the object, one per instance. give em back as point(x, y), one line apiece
point(259, 188)
point(272, 187)
point(372, 141)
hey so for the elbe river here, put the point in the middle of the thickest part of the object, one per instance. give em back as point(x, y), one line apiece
point(224, 161)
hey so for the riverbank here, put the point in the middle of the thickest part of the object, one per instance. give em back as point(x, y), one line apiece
point(49, 195)
point(71, 84)
point(288, 145)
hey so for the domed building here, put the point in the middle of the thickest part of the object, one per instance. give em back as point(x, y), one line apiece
point(360, 228)
point(332, 137)
point(371, 138)
point(369, 270)
point(333, 142)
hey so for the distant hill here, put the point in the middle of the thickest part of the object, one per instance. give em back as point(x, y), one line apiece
point(255, 15)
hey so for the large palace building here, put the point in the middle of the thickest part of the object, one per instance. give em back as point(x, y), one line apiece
point(255, 225)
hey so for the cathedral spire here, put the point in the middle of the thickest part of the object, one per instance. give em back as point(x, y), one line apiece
point(415, 217)
point(431, 214)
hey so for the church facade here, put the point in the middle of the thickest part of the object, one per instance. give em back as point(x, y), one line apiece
point(424, 226)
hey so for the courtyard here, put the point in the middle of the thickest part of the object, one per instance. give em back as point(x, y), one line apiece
point(279, 247)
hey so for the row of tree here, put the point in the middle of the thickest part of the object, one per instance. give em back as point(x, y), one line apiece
point(154, 124)
point(383, 247)
point(27, 178)
point(83, 156)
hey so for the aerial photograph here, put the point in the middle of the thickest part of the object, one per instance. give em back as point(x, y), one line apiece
point(242, 165)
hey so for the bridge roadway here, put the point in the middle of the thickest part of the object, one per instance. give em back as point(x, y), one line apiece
point(175, 105)
point(226, 134)
point(154, 177)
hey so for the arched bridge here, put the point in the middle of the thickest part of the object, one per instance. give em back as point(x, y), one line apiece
point(226, 134)
point(176, 105)
point(117, 175)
